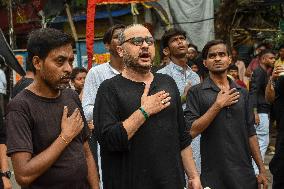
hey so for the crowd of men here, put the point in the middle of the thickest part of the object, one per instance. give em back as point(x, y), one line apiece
point(189, 123)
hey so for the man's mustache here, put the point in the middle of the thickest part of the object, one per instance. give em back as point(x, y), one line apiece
point(66, 76)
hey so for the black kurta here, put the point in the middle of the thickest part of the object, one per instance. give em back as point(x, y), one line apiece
point(277, 163)
point(225, 153)
point(151, 159)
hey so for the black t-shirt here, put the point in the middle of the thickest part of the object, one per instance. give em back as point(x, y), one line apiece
point(258, 84)
point(20, 85)
point(33, 124)
point(277, 162)
point(2, 129)
point(151, 159)
point(224, 145)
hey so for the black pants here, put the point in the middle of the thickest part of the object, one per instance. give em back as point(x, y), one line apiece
point(1, 184)
point(278, 183)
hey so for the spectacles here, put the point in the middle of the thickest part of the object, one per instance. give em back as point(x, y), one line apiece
point(138, 41)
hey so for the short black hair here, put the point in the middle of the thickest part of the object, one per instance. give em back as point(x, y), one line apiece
point(266, 51)
point(42, 41)
point(76, 71)
point(281, 47)
point(262, 45)
point(193, 46)
point(233, 67)
point(211, 44)
point(108, 35)
point(171, 33)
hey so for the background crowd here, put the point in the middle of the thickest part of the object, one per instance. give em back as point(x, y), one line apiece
point(257, 86)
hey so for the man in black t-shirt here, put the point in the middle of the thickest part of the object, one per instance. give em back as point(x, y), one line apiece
point(261, 107)
point(274, 93)
point(47, 134)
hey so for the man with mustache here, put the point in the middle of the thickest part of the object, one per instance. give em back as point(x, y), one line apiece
point(140, 124)
point(47, 134)
point(219, 110)
point(261, 106)
point(174, 40)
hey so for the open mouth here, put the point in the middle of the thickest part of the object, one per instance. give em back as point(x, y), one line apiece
point(65, 79)
point(145, 56)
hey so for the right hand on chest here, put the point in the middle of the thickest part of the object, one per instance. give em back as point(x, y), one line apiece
point(71, 126)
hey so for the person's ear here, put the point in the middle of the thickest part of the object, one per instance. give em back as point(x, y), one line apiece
point(230, 60)
point(204, 63)
point(107, 46)
point(166, 51)
point(119, 51)
point(36, 61)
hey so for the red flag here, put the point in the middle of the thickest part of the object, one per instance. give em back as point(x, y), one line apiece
point(90, 26)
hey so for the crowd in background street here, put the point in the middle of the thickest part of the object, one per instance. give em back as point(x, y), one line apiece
point(198, 119)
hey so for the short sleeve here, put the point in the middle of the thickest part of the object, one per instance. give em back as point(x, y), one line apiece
point(255, 86)
point(192, 110)
point(2, 130)
point(19, 135)
point(110, 131)
point(249, 114)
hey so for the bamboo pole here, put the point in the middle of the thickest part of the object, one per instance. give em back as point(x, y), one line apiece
point(74, 33)
point(12, 44)
point(256, 29)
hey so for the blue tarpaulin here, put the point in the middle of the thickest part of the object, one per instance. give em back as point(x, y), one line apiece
point(99, 15)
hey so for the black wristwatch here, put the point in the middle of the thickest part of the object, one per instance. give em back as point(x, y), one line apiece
point(6, 174)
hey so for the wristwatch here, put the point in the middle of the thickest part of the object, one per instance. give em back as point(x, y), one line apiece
point(6, 174)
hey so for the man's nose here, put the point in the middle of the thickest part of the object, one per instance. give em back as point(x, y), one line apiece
point(67, 67)
point(217, 58)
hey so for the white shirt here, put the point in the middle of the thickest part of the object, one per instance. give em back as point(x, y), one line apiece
point(94, 78)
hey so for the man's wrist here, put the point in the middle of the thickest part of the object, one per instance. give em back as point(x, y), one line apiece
point(262, 169)
point(217, 106)
point(145, 114)
point(64, 139)
point(272, 82)
point(193, 176)
point(6, 174)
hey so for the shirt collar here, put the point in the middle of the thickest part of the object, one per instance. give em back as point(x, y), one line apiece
point(179, 68)
point(112, 69)
point(208, 83)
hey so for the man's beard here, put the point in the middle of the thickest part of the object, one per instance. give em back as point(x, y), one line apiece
point(132, 63)
point(217, 72)
point(56, 86)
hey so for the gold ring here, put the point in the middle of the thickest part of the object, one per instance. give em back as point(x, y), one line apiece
point(163, 102)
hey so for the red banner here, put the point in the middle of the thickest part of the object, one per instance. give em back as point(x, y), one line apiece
point(90, 26)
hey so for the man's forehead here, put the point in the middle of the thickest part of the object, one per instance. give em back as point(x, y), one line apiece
point(65, 51)
point(270, 55)
point(136, 31)
point(217, 48)
point(116, 31)
point(177, 36)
